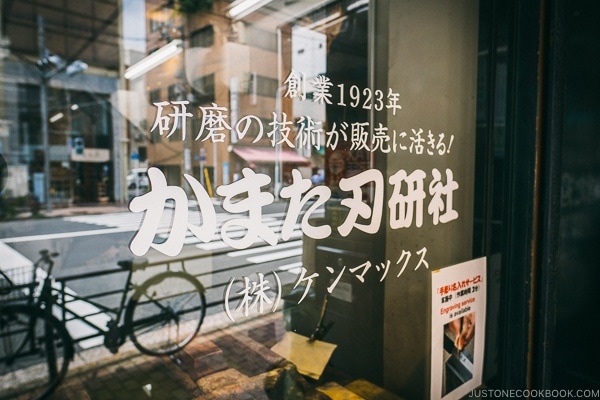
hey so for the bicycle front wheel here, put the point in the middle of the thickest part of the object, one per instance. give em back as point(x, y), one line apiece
point(35, 350)
point(165, 313)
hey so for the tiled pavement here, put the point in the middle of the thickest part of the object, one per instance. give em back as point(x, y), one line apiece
point(230, 363)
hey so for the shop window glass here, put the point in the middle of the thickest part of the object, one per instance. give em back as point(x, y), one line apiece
point(327, 167)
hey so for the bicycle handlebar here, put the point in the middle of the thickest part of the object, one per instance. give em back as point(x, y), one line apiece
point(46, 253)
point(47, 258)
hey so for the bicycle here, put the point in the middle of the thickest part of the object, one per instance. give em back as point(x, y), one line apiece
point(162, 316)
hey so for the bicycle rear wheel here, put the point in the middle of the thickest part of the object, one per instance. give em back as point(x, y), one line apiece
point(165, 313)
point(35, 351)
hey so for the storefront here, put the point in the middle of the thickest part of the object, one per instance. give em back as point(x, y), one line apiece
point(393, 194)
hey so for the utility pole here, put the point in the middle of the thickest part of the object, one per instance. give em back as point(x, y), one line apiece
point(44, 113)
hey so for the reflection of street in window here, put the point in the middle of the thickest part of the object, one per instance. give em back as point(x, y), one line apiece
point(162, 316)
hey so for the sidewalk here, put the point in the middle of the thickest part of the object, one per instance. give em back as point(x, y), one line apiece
point(79, 210)
point(228, 363)
point(104, 208)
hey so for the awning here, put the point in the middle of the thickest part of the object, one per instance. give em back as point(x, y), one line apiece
point(264, 155)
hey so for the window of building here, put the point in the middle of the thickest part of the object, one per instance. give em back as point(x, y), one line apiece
point(260, 38)
point(204, 89)
point(204, 37)
point(262, 85)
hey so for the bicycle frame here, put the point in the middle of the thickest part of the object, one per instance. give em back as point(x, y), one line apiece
point(61, 297)
point(46, 333)
point(29, 329)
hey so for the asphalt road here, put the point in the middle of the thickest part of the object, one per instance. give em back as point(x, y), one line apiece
point(83, 241)
point(90, 243)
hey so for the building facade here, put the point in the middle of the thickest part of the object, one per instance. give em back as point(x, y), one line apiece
point(67, 70)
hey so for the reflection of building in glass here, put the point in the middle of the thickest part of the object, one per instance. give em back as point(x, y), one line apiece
point(225, 64)
point(75, 143)
point(97, 132)
point(239, 66)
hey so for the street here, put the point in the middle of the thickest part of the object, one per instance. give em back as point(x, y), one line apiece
point(92, 243)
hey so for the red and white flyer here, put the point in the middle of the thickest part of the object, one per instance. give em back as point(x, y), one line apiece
point(457, 329)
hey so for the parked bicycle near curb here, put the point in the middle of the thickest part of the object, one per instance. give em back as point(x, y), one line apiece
point(162, 316)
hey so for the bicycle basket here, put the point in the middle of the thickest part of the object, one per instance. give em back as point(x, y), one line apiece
point(17, 284)
point(6, 284)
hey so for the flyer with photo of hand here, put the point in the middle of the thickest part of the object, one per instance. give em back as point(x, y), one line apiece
point(457, 329)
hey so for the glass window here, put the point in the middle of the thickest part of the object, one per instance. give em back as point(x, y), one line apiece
point(217, 188)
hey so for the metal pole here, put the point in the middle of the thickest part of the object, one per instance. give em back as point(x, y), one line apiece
point(214, 146)
point(186, 91)
point(69, 143)
point(278, 111)
point(44, 114)
point(202, 155)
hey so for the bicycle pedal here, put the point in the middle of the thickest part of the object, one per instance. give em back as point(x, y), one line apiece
point(175, 359)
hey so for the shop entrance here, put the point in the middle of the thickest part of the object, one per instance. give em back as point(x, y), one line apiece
point(91, 182)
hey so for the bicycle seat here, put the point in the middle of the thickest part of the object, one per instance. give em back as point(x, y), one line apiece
point(133, 264)
point(125, 264)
